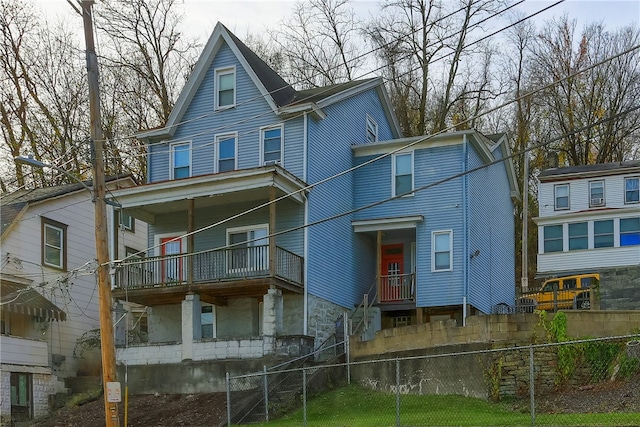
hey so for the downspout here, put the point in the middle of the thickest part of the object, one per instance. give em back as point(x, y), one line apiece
point(465, 257)
point(305, 267)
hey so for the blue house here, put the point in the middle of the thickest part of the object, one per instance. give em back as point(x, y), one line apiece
point(258, 242)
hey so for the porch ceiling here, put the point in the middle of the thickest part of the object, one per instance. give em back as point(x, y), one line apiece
point(147, 201)
point(218, 293)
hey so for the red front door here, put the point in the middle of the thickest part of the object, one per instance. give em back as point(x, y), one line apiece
point(391, 271)
point(171, 266)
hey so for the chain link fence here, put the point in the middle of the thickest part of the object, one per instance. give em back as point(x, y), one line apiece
point(539, 384)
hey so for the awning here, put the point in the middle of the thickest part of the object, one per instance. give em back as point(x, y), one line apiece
point(21, 299)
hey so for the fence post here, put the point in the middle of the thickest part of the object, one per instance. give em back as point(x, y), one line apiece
point(532, 392)
point(228, 399)
point(304, 395)
point(397, 392)
point(266, 394)
point(347, 346)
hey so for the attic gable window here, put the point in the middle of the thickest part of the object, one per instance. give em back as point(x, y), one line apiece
point(54, 244)
point(225, 88)
point(372, 130)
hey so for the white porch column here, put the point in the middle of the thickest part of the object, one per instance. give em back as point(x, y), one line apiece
point(272, 313)
point(191, 329)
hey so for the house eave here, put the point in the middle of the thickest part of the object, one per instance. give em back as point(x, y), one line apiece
point(383, 224)
point(154, 194)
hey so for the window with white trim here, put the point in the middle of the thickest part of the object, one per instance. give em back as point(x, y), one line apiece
point(180, 157)
point(54, 244)
point(207, 313)
point(225, 93)
point(578, 236)
point(561, 194)
point(632, 190)
point(248, 248)
point(629, 231)
point(127, 222)
point(553, 241)
point(226, 149)
point(402, 173)
point(372, 130)
point(596, 193)
point(603, 234)
point(442, 250)
point(271, 145)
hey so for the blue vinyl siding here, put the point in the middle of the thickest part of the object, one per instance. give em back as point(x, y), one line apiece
point(201, 123)
point(491, 232)
point(334, 249)
point(440, 205)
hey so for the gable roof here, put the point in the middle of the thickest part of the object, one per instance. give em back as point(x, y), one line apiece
point(12, 205)
point(598, 169)
point(276, 91)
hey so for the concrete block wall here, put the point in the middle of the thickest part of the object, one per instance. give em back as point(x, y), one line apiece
point(5, 397)
point(519, 328)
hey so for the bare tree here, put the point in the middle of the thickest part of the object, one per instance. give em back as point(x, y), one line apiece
point(144, 40)
point(42, 93)
point(320, 43)
point(582, 98)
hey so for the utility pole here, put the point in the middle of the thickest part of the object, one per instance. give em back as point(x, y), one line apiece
point(108, 352)
point(525, 225)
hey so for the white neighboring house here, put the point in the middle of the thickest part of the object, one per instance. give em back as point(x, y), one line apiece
point(48, 293)
point(589, 218)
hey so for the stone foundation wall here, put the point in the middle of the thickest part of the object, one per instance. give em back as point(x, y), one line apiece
point(322, 317)
point(620, 288)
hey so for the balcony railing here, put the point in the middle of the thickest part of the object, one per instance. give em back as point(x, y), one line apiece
point(209, 266)
point(397, 288)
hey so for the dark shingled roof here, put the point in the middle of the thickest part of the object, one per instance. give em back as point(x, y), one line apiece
point(281, 91)
point(622, 167)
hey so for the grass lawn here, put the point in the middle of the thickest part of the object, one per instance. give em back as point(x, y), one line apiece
point(353, 406)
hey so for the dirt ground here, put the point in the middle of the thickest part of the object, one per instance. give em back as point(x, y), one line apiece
point(210, 409)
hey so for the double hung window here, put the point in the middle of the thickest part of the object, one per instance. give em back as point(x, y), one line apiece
point(226, 145)
point(603, 234)
point(442, 251)
point(54, 244)
point(402, 173)
point(629, 231)
point(578, 236)
point(272, 145)
point(553, 238)
point(632, 190)
point(561, 194)
point(249, 248)
point(596, 193)
point(180, 160)
point(225, 88)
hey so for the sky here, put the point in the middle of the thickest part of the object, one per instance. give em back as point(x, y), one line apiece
point(254, 16)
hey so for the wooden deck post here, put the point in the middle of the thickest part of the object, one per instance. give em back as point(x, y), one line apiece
point(190, 238)
point(378, 262)
point(272, 229)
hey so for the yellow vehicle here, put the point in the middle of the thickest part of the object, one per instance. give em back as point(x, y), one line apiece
point(561, 293)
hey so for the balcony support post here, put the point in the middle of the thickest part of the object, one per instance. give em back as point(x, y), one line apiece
point(379, 263)
point(190, 324)
point(190, 238)
point(272, 230)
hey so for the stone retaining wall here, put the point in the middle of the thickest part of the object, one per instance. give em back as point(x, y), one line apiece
point(620, 288)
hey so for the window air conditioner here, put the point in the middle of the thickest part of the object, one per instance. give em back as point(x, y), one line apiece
point(597, 202)
point(272, 162)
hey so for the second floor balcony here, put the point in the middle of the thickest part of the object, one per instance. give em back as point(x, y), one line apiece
point(216, 274)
